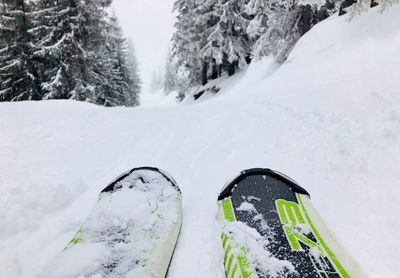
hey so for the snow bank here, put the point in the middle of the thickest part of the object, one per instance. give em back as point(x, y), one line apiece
point(329, 118)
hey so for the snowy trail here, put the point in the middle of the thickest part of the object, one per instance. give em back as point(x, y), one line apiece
point(334, 131)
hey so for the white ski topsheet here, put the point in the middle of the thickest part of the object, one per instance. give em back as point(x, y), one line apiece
point(130, 232)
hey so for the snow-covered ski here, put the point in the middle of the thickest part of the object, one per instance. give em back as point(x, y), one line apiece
point(271, 229)
point(131, 232)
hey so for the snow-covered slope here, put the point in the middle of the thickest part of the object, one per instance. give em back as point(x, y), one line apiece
point(328, 118)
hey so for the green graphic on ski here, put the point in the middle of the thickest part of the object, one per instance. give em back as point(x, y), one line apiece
point(131, 232)
point(271, 229)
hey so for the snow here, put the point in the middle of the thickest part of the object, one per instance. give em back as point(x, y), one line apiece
point(329, 118)
point(245, 206)
point(240, 235)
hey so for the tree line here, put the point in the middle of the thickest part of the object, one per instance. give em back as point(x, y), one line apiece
point(65, 49)
point(215, 37)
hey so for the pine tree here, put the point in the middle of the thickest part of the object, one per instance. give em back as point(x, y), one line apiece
point(58, 48)
point(187, 41)
point(363, 5)
point(83, 53)
point(70, 35)
point(19, 79)
point(92, 21)
point(156, 82)
point(120, 81)
point(170, 75)
point(134, 75)
point(277, 25)
point(227, 43)
point(211, 38)
point(115, 86)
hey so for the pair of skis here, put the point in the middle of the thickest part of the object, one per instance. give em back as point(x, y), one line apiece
point(269, 229)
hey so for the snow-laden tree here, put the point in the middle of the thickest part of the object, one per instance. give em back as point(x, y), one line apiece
point(170, 74)
point(82, 53)
point(157, 81)
point(65, 49)
point(19, 78)
point(92, 38)
point(58, 49)
point(211, 37)
point(189, 38)
point(227, 41)
point(176, 77)
point(69, 36)
point(274, 27)
point(121, 82)
point(217, 36)
point(135, 80)
point(278, 24)
point(364, 5)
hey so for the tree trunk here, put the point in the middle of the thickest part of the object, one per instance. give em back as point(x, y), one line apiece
point(215, 70)
point(204, 77)
point(231, 69)
point(346, 4)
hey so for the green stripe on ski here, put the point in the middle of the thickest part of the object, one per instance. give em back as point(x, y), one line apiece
point(234, 270)
point(236, 261)
point(228, 267)
point(77, 238)
point(289, 212)
point(244, 264)
point(227, 207)
point(325, 246)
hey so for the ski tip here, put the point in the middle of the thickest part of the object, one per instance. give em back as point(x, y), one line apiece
point(110, 187)
point(227, 190)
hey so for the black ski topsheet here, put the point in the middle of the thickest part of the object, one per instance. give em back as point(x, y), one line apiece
point(278, 214)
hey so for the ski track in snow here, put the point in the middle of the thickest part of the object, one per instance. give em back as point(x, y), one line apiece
point(330, 125)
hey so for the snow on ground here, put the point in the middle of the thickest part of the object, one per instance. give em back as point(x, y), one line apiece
point(329, 118)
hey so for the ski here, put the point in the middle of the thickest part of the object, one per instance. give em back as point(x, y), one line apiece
point(132, 230)
point(271, 229)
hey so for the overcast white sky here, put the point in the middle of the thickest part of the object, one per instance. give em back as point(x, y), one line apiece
point(149, 23)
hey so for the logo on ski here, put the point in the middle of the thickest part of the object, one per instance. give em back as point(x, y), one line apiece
point(295, 226)
point(301, 233)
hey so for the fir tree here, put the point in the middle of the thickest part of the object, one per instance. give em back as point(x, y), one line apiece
point(211, 38)
point(19, 79)
point(228, 43)
point(82, 53)
point(115, 87)
point(187, 40)
point(364, 5)
point(277, 25)
point(135, 80)
point(120, 81)
point(156, 82)
point(170, 75)
point(70, 36)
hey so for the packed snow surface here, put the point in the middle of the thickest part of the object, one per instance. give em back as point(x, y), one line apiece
point(329, 118)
